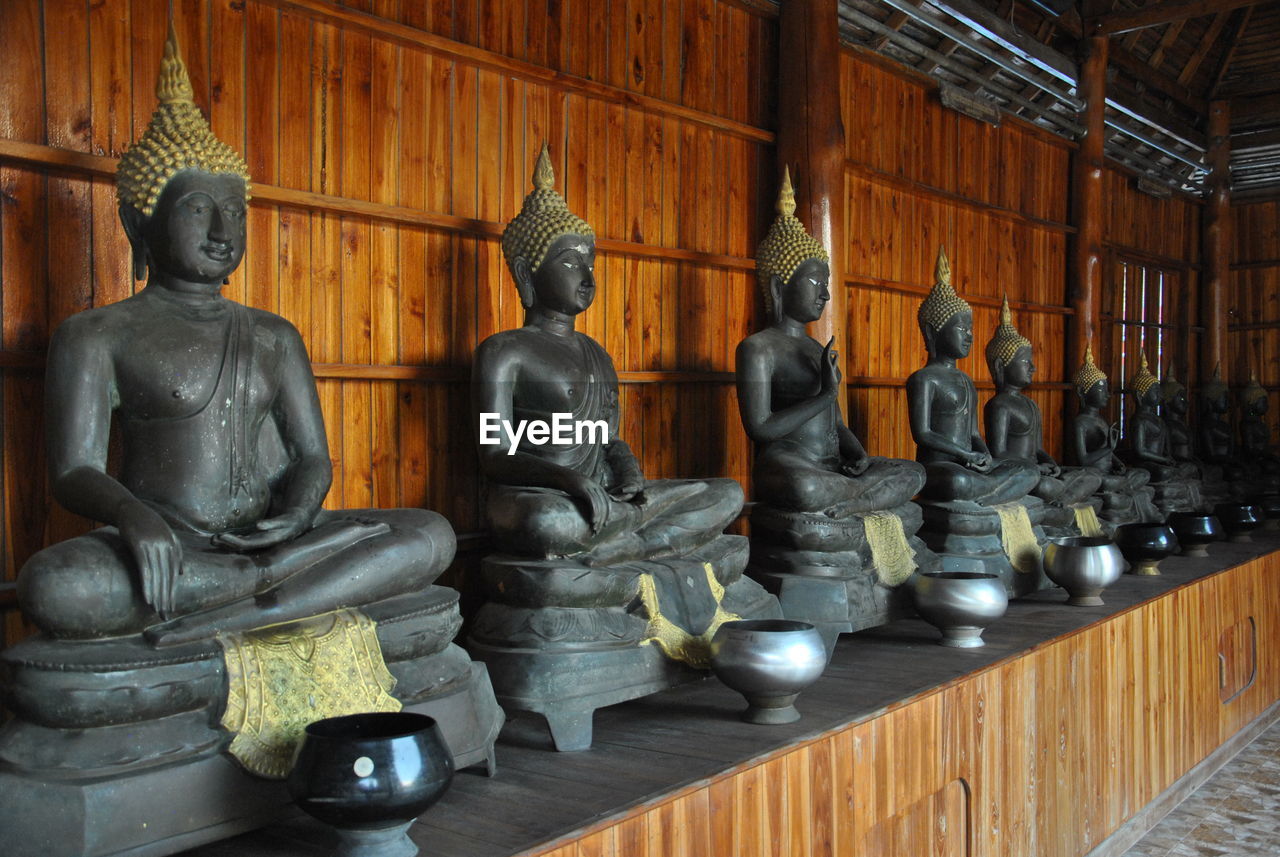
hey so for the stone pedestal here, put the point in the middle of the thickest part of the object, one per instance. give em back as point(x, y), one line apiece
point(114, 748)
point(561, 639)
point(961, 528)
point(822, 569)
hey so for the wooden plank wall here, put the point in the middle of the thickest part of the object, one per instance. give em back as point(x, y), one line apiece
point(390, 141)
point(920, 176)
point(1253, 308)
point(1046, 753)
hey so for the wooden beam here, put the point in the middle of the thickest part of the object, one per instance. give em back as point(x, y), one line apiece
point(893, 22)
point(1170, 36)
point(1088, 167)
point(1156, 14)
point(1188, 72)
point(1224, 65)
point(1155, 79)
point(810, 138)
point(976, 16)
point(1217, 243)
point(1259, 111)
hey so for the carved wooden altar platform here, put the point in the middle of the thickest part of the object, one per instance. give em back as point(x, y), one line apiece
point(1046, 742)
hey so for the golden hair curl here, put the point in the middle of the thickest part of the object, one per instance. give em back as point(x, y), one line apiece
point(942, 302)
point(543, 218)
point(787, 246)
point(1088, 374)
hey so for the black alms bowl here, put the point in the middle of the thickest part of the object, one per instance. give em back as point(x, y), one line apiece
point(1144, 545)
point(370, 770)
point(1195, 531)
point(1239, 519)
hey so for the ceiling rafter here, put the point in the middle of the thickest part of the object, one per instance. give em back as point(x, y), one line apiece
point(1207, 41)
point(1156, 14)
point(1153, 78)
point(1227, 55)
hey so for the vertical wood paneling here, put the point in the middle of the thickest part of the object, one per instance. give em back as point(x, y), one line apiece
point(1046, 753)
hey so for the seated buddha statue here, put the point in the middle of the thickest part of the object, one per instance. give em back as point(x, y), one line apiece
point(943, 405)
point(218, 583)
point(1014, 431)
point(1216, 446)
point(972, 504)
point(1176, 484)
point(1126, 496)
point(825, 507)
point(1259, 461)
point(1182, 440)
point(594, 562)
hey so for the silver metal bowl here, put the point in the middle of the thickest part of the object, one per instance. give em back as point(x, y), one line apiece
point(769, 661)
point(960, 604)
point(1084, 566)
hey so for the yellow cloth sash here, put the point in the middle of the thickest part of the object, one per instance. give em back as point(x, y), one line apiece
point(1017, 537)
point(1087, 520)
point(676, 642)
point(283, 677)
point(891, 553)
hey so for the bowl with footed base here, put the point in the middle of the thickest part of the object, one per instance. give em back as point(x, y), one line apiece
point(1084, 566)
point(960, 604)
point(369, 776)
point(1145, 545)
point(768, 661)
point(1196, 532)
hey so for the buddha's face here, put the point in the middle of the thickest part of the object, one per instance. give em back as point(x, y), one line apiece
point(565, 281)
point(197, 232)
point(955, 338)
point(1098, 395)
point(1259, 406)
point(1021, 369)
point(1177, 403)
point(1150, 400)
point(806, 293)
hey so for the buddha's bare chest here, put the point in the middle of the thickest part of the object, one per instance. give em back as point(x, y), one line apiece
point(556, 382)
point(183, 368)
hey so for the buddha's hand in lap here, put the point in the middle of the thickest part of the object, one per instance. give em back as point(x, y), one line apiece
point(856, 468)
point(1050, 469)
point(629, 491)
point(270, 532)
point(979, 462)
point(595, 495)
point(155, 549)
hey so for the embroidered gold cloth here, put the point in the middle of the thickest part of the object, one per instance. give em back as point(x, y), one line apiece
point(282, 677)
point(678, 643)
point(1087, 520)
point(891, 553)
point(1017, 537)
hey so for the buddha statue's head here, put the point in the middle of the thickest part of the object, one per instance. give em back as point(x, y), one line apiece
point(550, 251)
point(1254, 397)
point(182, 191)
point(1214, 394)
point(1009, 354)
point(1173, 394)
point(945, 318)
point(792, 268)
point(1144, 386)
point(1091, 382)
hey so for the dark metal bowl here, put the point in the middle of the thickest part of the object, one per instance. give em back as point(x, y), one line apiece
point(369, 776)
point(1196, 532)
point(1144, 545)
point(1238, 519)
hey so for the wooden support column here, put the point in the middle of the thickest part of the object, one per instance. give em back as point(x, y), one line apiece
point(1086, 264)
point(1217, 239)
point(810, 140)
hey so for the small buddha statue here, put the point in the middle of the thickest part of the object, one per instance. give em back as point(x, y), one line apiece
point(1216, 446)
point(825, 508)
point(1259, 462)
point(972, 504)
point(1176, 484)
point(1126, 496)
point(598, 568)
point(1182, 440)
point(219, 586)
point(1014, 431)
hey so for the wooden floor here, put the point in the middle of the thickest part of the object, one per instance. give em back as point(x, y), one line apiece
point(648, 750)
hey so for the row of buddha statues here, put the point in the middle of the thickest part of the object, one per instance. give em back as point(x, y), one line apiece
point(220, 608)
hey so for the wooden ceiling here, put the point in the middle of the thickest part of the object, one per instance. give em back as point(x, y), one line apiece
point(1167, 60)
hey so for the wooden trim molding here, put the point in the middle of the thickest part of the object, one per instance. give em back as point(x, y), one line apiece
point(863, 382)
point(98, 166)
point(919, 188)
point(859, 281)
point(1137, 254)
point(1255, 265)
point(480, 58)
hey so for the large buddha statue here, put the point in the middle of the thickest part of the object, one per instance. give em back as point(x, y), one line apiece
point(607, 585)
point(833, 529)
point(1014, 431)
point(1177, 488)
point(973, 506)
point(1126, 496)
point(213, 529)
